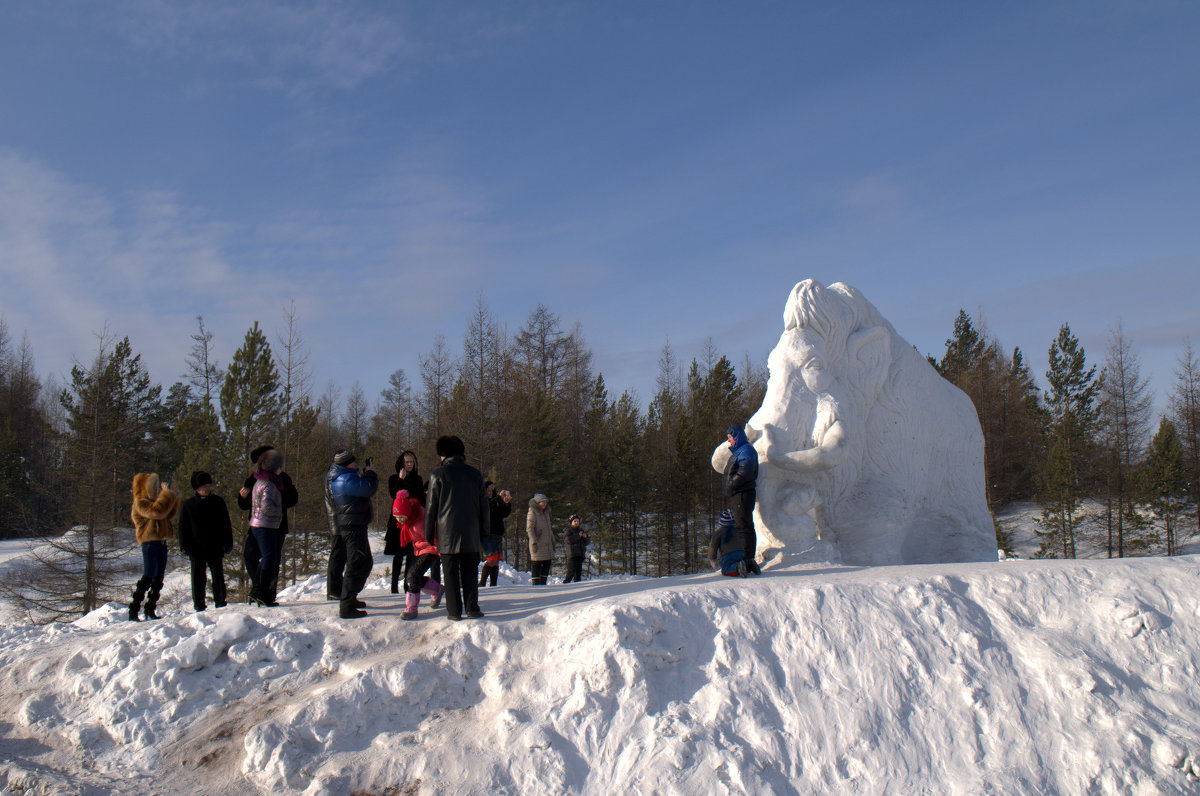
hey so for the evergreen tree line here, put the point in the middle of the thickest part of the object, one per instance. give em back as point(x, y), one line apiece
point(1087, 437)
point(533, 414)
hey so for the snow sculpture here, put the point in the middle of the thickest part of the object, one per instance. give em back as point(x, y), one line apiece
point(862, 444)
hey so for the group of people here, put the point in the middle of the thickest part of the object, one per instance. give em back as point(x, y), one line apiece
point(438, 532)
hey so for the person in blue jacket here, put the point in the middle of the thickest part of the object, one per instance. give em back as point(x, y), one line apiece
point(741, 481)
point(348, 505)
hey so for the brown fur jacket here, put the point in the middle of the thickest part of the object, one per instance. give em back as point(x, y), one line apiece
point(153, 509)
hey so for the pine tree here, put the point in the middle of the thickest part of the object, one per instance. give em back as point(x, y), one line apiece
point(114, 429)
point(1071, 405)
point(250, 405)
point(1164, 482)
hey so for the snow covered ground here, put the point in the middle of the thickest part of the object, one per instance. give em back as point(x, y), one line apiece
point(1013, 677)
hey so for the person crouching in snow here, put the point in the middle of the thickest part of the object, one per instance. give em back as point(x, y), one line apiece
point(154, 506)
point(726, 551)
point(410, 520)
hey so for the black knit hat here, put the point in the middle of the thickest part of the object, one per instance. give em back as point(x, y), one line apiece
point(259, 451)
point(200, 478)
point(450, 446)
point(343, 457)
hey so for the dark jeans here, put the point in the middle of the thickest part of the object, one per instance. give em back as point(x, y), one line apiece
point(539, 570)
point(358, 565)
point(201, 564)
point(268, 563)
point(415, 578)
point(400, 564)
point(337, 565)
point(462, 591)
point(154, 560)
point(574, 569)
point(742, 507)
point(252, 555)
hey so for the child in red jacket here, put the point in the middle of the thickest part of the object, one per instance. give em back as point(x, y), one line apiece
point(410, 517)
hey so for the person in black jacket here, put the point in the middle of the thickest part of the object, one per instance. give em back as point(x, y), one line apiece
point(205, 536)
point(406, 477)
point(456, 518)
point(499, 507)
point(577, 541)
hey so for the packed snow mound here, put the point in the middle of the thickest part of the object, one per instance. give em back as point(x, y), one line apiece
point(1015, 677)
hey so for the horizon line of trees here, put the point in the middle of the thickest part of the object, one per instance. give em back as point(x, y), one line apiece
point(536, 418)
point(1087, 437)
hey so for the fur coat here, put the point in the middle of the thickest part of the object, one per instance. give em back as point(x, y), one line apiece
point(153, 509)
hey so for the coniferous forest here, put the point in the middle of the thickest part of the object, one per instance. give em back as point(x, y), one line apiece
point(536, 417)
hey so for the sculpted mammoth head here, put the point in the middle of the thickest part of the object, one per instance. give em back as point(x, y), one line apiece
point(849, 434)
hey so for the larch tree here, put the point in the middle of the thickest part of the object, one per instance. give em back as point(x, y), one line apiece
point(1164, 482)
point(1125, 403)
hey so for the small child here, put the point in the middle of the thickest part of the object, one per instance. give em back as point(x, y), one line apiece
point(410, 517)
point(726, 553)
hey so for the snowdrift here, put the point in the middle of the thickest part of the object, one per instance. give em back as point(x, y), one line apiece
point(1016, 677)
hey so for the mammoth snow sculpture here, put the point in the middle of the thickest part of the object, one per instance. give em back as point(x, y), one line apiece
point(862, 443)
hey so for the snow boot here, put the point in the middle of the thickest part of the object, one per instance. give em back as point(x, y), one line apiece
point(434, 590)
point(139, 591)
point(152, 599)
point(411, 602)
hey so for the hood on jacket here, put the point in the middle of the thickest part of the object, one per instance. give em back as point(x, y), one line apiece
point(536, 499)
point(400, 462)
point(739, 435)
point(146, 485)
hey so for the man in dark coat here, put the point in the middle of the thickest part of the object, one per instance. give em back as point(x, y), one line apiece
point(741, 482)
point(348, 506)
point(457, 517)
point(251, 554)
point(205, 536)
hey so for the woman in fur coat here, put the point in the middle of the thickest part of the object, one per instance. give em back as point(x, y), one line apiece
point(541, 538)
point(154, 506)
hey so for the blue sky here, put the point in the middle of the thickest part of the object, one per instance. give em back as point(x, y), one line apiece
point(652, 171)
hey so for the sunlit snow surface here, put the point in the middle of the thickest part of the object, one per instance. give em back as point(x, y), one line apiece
point(1012, 677)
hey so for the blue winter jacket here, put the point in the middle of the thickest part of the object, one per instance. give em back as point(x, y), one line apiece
point(741, 471)
point(348, 497)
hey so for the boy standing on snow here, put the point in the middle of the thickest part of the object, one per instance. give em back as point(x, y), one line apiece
point(205, 537)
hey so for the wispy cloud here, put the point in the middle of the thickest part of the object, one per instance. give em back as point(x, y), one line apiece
point(74, 261)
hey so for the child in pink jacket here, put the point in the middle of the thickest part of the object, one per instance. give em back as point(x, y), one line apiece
point(410, 517)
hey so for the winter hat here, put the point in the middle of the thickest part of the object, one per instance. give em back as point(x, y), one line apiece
point(343, 457)
point(271, 460)
point(539, 498)
point(450, 446)
point(726, 519)
point(257, 453)
point(574, 517)
point(200, 478)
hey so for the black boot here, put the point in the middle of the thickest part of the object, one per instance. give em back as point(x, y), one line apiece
point(138, 592)
point(152, 599)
